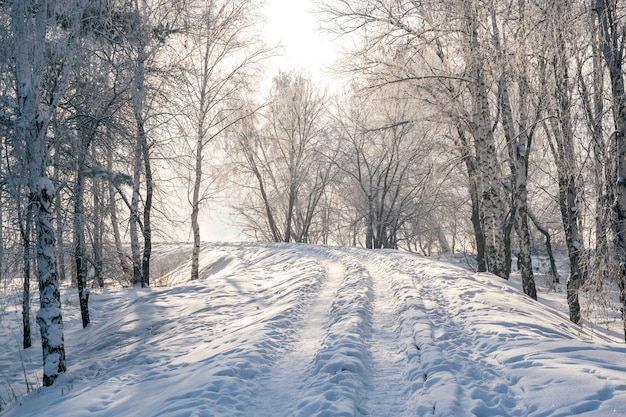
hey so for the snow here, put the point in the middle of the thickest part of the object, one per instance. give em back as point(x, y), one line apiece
point(302, 330)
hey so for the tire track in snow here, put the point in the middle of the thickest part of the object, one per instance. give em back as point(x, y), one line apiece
point(250, 318)
point(393, 378)
point(455, 371)
point(334, 382)
point(289, 373)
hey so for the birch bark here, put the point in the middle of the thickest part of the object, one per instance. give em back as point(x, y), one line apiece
point(29, 28)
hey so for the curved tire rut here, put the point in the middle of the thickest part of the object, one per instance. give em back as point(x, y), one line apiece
point(455, 371)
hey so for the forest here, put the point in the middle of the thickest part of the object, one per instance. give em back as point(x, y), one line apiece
point(490, 128)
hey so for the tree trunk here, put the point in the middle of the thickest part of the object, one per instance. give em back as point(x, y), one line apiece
point(49, 315)
point(30, 29)
point(565, 157)
point(142, 158)
point(593, 105)
point(79, 241)
point(121, 253)
point(569, 212)
point(553, 270)
point(60, 224)
point(1, 239)
point(134, 218)
point(147, 208)
point(25, 231)
point(248, 150)
point(472, 174)
point(492, 209)
point(290, 206)
point(519, 146)
point(98, 232)
point(611, 29)
point(369, 227)
point(195, 209)
point(518, 142)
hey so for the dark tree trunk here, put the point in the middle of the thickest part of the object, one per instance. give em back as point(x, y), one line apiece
point(147, 209)
point(79, 244)
point(97, 237)
point(134, 219)
point(567, 200)
point(25, 231)
point(565, 157)
point(518, 145)
point(612, 49)
point(121, 253)
point(553, 270)
point(472, 173)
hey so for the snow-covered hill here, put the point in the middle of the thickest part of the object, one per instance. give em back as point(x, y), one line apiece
point(299, 330)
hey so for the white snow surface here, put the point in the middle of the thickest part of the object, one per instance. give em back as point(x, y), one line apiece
point(303, 330)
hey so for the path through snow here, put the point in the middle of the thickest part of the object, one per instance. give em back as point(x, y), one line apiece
point(299, 330)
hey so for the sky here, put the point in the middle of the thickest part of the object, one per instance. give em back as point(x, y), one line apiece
point(293, 25)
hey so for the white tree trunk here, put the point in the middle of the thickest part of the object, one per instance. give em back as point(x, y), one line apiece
point(29, 27)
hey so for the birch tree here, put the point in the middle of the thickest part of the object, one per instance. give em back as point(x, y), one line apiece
point(519, 124)
point(591, 76)
point(36, 36)
point(442, 53)
point(93, 101)
point(492, 210)
point(143, 30)
point(610, 23)
point(221, 56)
point(561, 136)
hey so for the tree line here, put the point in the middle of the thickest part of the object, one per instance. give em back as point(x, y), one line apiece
point(512, 82)
point(494, 128)
point(104, 103)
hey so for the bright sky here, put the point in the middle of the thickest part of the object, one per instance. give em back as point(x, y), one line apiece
point(292, 24)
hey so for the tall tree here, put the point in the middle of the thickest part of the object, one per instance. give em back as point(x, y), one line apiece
point(220, 58)
point(385, 156)
point(284, 156)
point(144, 28)
point(611, 22)
point(33, 67)
point(519, 124)
point(493, 211)
point(440, 52)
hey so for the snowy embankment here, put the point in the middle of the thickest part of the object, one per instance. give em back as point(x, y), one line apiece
point(298, 330)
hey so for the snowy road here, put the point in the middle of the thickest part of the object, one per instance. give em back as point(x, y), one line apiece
point(299, 330)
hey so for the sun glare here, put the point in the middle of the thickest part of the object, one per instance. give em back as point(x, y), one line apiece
point(294, 26)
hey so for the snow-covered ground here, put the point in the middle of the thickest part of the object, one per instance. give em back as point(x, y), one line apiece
point(300, 330)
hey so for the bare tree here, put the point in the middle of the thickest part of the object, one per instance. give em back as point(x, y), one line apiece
point(142, 30)
point(610, 23)
point(219, 62)
point(440, 52)
point(591, 88)
point(284, 156)
point(33, 68)
point(385, 156)
point(519, 123)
